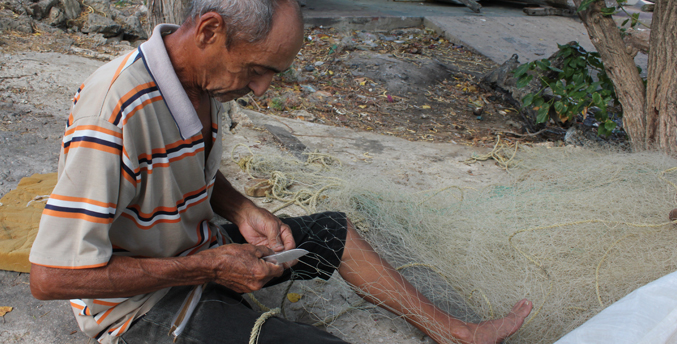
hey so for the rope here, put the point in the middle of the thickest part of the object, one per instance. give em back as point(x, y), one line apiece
point(258, 303)
point(256, 330)
point(306, 198)
point(499, 154)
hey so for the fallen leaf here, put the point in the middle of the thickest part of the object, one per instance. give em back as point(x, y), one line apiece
point(4, 310)
point(425, 107)
point(293, 297)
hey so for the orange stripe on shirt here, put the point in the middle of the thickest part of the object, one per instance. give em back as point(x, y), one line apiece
point(167, 209)
point(91, 145)
point(140, 226)
point(164, 149)
point(124, 326)
point(129, 94)
point(83, 200)
point(207, 242)
point(100, 320)
point(73, 267)
point(139, 107)
point(77, 216)
point(122, 65)
point(94, 128)
point(75, 305)
point(105, 303)
point(167, 164)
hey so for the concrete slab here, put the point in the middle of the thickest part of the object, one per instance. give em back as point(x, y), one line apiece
point(33, 321)
point(499, 31)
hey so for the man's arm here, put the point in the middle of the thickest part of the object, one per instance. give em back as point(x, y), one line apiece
point(257, 225)
point(237, 267)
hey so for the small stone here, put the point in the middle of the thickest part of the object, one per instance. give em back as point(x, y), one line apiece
point(41, 8)
point(319, 63)
point(306, 116)
point(132, 27)
point(56, 17)
point(673, 215)
point(100, 24)
point(478, 111)
point(71, 8)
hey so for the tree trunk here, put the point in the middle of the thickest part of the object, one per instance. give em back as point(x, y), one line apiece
point(166, 11)
point(620, 66)
point(661, 90)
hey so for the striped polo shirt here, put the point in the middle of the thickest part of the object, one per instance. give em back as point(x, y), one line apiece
point(133, 180)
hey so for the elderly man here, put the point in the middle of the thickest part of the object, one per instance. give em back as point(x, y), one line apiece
point(126, 233)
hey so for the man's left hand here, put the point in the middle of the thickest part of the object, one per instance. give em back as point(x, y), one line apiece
point(259, 227)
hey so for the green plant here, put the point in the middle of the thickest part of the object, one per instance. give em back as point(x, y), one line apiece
point(277, 104)
point(574, 90)
point(609, 11)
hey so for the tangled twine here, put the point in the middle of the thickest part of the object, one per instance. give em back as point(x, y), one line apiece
point(313, 192)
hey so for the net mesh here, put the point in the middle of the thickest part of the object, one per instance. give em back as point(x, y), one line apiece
point(571, 229)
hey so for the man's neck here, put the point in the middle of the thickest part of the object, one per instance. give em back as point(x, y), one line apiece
point(178, 53)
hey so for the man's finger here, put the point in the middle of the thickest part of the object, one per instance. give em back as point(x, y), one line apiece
point(287, 237)
point(262, 251)
point(274, 238)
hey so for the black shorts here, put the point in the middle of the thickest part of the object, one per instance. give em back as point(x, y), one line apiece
point(223, 316)
point(323, 235)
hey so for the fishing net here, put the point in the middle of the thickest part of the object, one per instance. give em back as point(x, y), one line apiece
point(571, 229)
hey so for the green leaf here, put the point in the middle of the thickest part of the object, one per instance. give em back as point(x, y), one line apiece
point(625, 22)
point(543, 113)
point(559, 107)
point(539, 101)
point(525, 80)
point(527, 100)
point(541, 65)
point(519, 71)
point(609, 125)
point(555, 69)
point(597, 99)
point(585, 4)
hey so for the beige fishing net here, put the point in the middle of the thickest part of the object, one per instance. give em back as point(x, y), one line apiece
point(571, 229)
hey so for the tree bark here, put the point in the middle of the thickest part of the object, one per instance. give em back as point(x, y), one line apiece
point(661, 90)
point(620, 66)
point(166, 11)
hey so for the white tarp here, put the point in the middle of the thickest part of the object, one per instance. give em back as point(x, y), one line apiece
point(648, 315)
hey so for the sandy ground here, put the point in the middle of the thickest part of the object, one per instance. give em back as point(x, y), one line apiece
point(35, 93)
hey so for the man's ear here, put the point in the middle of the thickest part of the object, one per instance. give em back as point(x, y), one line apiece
point(209, 30)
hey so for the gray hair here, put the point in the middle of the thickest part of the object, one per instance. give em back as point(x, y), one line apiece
point(245, 20)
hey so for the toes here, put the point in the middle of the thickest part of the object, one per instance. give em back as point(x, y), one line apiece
point(522, 308)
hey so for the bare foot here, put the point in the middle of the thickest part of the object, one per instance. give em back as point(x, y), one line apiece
point(494, 331)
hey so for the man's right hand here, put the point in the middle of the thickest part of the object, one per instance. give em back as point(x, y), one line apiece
point(240, 267)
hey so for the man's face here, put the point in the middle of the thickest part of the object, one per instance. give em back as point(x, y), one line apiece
point(249, 67)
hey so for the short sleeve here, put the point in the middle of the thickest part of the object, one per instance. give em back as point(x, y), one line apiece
point(74, 227)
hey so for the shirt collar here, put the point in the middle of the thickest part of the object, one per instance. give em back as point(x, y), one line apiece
point(160, 67)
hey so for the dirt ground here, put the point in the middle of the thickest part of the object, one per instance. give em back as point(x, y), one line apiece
point(409, 83)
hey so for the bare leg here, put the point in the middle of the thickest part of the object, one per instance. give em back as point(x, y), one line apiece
point(379, 283)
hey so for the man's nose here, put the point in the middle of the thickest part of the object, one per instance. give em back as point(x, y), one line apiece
point(260, 84)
